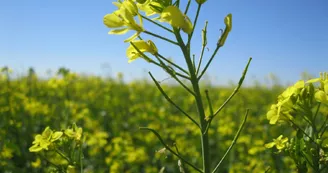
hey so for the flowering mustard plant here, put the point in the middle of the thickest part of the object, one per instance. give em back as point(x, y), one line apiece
point(303, 107)
point(57, 142)
point(170, 13)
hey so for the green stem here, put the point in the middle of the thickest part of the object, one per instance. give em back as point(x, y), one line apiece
point(194, 26)
point(316, 113)
point(209, 62)
point(199, 103)
point(81, 157)
point(168, 148)
point(170, 101)
point(204, 32)
point(211, 111)
point(172, 63)
point(63, 155)
point(149, 20)
point(233, 142)
point(187, 7)
point(241, 80)
point(160, 37)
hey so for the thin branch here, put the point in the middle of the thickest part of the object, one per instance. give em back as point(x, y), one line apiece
point(168, 148)
point(63, 155)
point(316, 113)
point(160, 37)
point(204, 35)
point(194, 25)
point(233, 141)
point(211, 112)
point(194, 62)
point(187, 7)
point(172, 63)
point(173, 73)
point(209, 62)
point(170, 101)
point(241, 80)
point(149, 20)
point(51, 163)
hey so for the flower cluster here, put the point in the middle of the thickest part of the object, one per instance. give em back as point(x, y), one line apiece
point(123, 20)
point(44, 140)
point(303, 106)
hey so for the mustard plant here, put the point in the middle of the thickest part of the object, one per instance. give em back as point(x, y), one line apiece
point(61, 149)
point(303, 108)
point(169, 16)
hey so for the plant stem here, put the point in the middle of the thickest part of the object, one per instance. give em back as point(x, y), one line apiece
point(149, 20)
point(233, 141)
point(160, 37)
point(200, 107)
point(169, 148)
point(170, 101)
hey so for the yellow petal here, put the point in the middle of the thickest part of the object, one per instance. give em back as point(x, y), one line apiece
point(270, 145)
point(56, 136)
point(119, 31)
point(314, 80)
point(173, 16)
point(321, 96)
point(113, 21)
point(35, 148)
point(134, 36)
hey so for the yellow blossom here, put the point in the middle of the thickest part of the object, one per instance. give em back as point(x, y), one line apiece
point(45, 139)
point(280, 143)
point(176, 18)
point(122, 20)
point(143, 47)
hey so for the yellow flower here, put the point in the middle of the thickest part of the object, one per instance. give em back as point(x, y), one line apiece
point(280, 143)
point(129, 5)
point(281, 111)
point(75, 132)
point(122, 20)
point(176, 18)
point(44, 140)
point(228, 23)
point(321, 95)
point(36, 163)
point(143, 47)
point(146, 7)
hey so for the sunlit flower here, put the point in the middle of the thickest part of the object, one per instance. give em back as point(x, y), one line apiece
point(281, 110)
point(122, 20)
point(280, 143)
point(143, 47)
point(176, 18)
point(147, 6)
point(321, 95)
point(75, 132)
point(45, 139)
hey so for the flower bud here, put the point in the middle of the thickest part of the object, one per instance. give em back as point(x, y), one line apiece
point(201, 1)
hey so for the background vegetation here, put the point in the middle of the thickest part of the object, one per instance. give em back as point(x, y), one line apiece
point(110, 112)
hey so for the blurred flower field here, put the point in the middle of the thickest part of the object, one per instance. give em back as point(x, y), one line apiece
point(111, 111)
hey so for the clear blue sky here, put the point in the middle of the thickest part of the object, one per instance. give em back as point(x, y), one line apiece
point(283, 37)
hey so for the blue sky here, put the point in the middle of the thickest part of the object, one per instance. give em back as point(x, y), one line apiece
point(285, 38)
